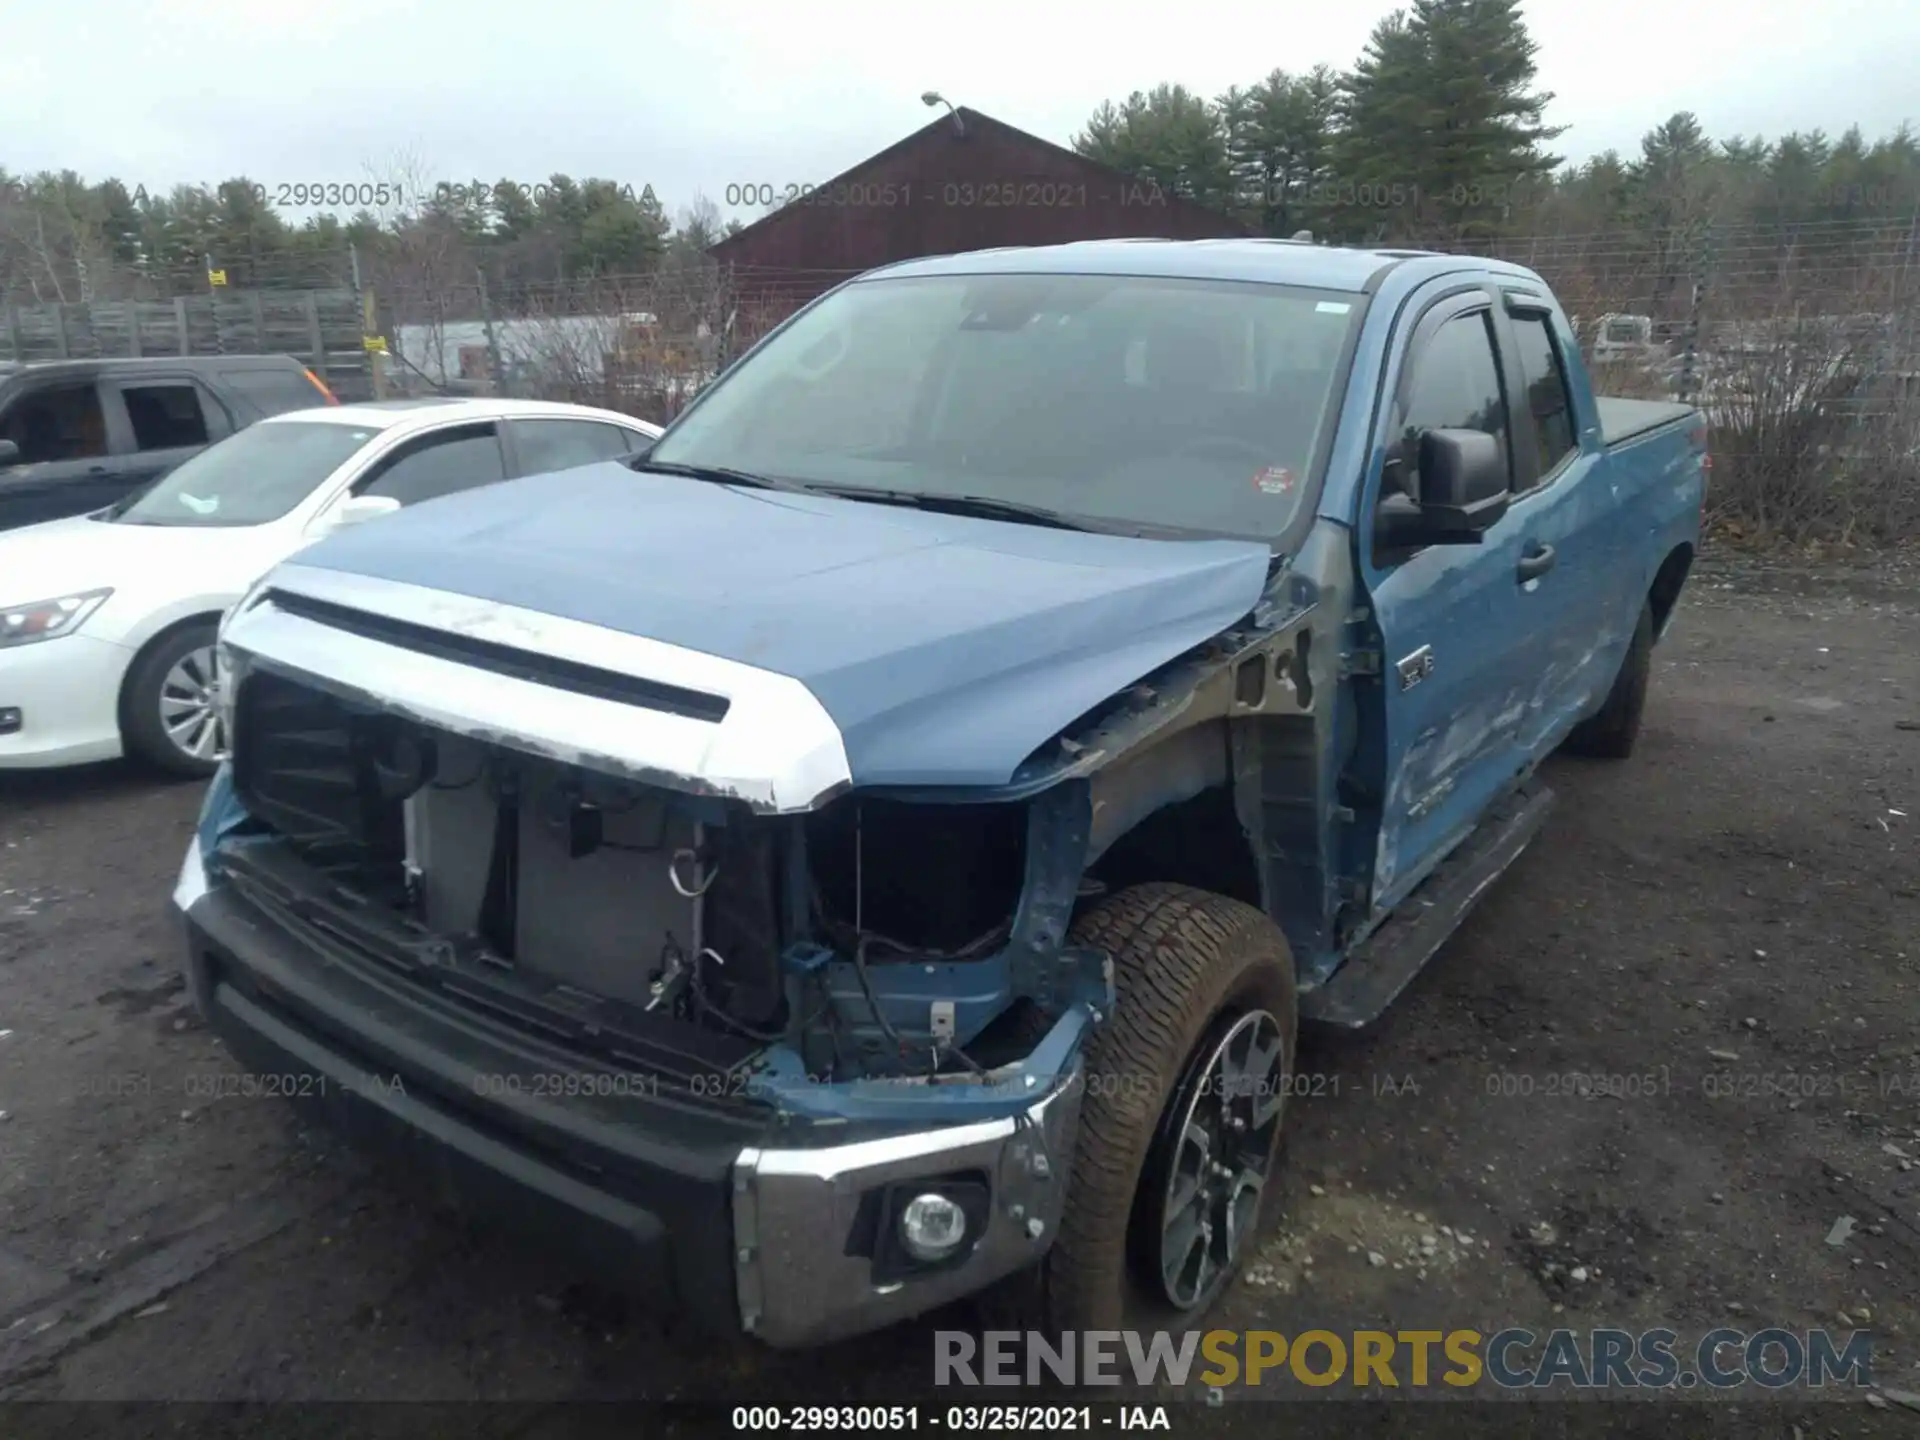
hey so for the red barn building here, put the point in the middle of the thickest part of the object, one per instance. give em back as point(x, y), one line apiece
point(964, 182)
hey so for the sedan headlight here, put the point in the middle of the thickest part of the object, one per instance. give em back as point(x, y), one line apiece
point(47, 619)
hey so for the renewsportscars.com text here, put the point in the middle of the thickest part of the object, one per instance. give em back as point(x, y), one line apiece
point(1511, 1359)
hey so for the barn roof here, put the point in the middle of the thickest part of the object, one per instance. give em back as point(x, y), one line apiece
point(1106, 177)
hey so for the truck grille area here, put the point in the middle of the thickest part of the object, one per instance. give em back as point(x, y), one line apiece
point(332, 920)
point(627, 921)
point(308, 766)
point(508, 660)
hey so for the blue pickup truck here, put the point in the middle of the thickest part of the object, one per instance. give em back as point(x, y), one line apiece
point(881, 846)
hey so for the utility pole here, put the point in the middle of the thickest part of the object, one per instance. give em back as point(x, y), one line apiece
point(493, 346)
point(725, 312)
point(1690, 356)
point(216, 282)
point(372, 343)
point(1907, 303)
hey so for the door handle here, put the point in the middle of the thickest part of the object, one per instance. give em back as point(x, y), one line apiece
point(96, 469)
point(1536, 562)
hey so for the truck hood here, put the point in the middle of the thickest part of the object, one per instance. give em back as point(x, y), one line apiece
point(945, 648)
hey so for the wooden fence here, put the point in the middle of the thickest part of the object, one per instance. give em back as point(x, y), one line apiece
point(320, 328)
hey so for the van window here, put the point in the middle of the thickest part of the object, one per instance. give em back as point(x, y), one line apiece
point(165, 417)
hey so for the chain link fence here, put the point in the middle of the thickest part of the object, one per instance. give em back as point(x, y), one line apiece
point(1803, 354)
point(1800, 346)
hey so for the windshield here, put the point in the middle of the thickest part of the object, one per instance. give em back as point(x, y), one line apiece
point(1183, 404)
point(250, 478)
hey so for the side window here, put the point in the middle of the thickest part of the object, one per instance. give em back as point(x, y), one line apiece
point(1456, 386)
point(440, 465)
point(60, 422)
point(166, 416)
point(545, 445)
point(1545, 377)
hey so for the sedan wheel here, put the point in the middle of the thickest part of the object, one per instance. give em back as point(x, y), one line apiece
point(190, 706)
point(170, 705)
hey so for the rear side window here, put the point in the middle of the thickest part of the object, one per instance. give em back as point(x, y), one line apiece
point(165, 417)
point(273, 392)
point(1456, 386)
point(1545, 377)
point(545, 445)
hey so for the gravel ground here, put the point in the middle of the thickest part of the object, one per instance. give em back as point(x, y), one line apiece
point(1670, 1050)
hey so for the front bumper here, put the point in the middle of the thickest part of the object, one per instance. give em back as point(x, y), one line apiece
point(791, 1208)
point(67, 690)
point(741, 1218)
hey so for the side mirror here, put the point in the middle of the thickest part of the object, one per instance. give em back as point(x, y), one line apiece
point(359, 509)
point(9, 454)
point(1463, 493)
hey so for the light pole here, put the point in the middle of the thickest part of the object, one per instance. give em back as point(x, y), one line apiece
point(934, 97)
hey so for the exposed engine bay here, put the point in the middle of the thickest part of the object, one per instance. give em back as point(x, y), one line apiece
point(680, 931)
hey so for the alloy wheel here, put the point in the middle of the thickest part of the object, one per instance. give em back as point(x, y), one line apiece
point(190, 705)
point(1218, 1153)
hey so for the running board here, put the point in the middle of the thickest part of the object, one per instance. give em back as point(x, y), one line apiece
point(1384, 964)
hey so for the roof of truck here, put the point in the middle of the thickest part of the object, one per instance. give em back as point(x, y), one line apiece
point(1273, 262)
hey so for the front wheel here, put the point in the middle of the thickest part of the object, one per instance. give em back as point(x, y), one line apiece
point(1179, 1135)
point(170, 708)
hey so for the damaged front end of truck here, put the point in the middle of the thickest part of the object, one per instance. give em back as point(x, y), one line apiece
point(645, 886)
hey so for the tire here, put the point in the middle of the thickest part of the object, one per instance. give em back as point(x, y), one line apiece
point(1609, 733)
point(162, 666)
point(1190, 969)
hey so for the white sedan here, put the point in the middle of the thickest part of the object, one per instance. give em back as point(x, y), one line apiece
point(107, 621)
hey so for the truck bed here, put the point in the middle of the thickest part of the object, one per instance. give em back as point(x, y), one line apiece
point(1624, 420)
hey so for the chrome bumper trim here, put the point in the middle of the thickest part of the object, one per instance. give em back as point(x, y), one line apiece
point(777, 748)
point(192, 883)
point(793, 1210)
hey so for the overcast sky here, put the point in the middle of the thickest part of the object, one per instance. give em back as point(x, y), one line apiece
point(692, 97)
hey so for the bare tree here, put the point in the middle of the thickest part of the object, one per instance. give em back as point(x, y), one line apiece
point(425, 273)
point(1815, 416)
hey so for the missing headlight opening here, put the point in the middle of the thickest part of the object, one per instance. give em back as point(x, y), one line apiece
point(539, 889)
point(917, 879)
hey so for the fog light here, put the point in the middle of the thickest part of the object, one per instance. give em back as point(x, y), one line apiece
point(11, 720)
point(932, 1227)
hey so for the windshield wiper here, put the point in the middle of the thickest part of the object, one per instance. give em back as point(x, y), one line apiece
point(984, 507)
point(718, 475)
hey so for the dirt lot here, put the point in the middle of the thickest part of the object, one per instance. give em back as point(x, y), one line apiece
point(1728, 925)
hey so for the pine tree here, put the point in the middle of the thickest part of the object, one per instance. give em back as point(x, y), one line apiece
point(1673, 192)
point(1168, 137)
point(1278, 136)
point(1441, 102)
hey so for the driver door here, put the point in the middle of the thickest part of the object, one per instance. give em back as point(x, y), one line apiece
point(1458, 655)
